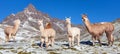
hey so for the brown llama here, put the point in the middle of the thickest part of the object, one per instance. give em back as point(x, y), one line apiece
point(47, 35)
point(96, 30)
point(10, 31)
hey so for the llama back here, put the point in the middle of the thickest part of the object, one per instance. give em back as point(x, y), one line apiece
point(109, 27)
point(75, 30)
point(50, 32)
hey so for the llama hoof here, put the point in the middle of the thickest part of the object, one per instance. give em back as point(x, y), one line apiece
point(40, 46)
point(78, 45)
point(51, 45)
point(69, 47)
point(93, 44)
point(46, 47)
point(109, 45)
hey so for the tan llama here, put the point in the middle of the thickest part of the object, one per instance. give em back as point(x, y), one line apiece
point(96, 30)
point(10, 31)
point(47, 35)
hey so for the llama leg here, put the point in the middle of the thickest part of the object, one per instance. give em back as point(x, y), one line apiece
point(70, 40)
point(109, 38)
point(52, 41)
point(93, 40)
point(13, 38)
point(78, 40)
point(42, 41)
point(46, 42)
point(112, 39)
point(9, 37)
point(98, 38)
point(6, 38)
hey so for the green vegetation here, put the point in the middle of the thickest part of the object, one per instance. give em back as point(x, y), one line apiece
point(21, 52)
point(14, 51)
point(34, 45)
point(53, 53)
point(20, 48)
point(2, 48)
point(74, 49)
point(104, 53)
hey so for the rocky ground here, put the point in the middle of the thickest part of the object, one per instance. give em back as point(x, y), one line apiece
point(31, 45)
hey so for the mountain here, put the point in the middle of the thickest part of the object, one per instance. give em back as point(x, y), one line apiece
point(29, 17)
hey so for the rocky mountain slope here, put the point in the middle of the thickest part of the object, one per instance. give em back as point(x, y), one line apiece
point(28, 36)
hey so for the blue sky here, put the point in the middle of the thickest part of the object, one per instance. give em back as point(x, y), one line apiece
point(97, 10)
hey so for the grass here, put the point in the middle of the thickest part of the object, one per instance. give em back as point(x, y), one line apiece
point(119, 45)
point(21, 52)
point(14, 51)
point(53, 53)
point(2, 48)
point(20, 48)
point(104, 53)
point(34, 45)
point(74, 49)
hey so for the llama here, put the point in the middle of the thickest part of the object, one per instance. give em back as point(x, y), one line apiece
point(73, 32)
point(10, 31)
point(96, 30)
point(47, 35)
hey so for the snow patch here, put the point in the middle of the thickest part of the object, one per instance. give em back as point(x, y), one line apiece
point(46, 18)
point(31, 19)
point(13, 14)
point(2, 34)
point(28, 12)
point(102, 22)
point(25, 24)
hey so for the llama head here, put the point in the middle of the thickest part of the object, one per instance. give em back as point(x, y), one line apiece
point(40, 22)
point(84, 17)
point(68, 20)
point(17, 22)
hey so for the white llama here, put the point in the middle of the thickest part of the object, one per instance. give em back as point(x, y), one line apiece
point(72, 33)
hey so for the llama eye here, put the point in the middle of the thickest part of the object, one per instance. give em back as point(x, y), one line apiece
point(83, 19)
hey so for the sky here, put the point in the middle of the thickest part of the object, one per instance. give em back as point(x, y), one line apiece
point(97, 10)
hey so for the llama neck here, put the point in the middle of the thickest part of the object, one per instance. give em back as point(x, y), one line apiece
point(15, 27)
point(68, 27)
point(88, 25)
point(41, 28)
